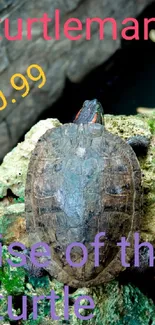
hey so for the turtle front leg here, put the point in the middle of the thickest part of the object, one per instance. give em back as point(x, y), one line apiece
point(139, 144)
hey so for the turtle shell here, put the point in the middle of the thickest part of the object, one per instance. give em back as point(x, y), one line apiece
point(83, 180)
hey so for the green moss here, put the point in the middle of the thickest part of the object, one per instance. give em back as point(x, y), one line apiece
point(19, 200)
point(151, 124)
point(30, 321)
point(4, 225)
point(127, 126)
point(12, 278)
point(114, 304)
point(120, 305)
point(12, 282)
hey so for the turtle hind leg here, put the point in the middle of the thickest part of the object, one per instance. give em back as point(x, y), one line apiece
point(139, 144)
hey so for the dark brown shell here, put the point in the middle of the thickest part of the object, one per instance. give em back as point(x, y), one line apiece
point(83, 180)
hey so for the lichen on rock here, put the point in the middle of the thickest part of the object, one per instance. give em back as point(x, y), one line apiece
point(125, 127)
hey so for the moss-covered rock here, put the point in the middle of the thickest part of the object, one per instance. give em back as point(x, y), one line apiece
point(120, 305)
point(114, 304)
point(125, 127)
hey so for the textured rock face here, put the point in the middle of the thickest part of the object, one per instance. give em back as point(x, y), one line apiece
point(59, 59)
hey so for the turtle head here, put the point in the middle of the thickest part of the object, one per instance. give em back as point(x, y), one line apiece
point(91, 112)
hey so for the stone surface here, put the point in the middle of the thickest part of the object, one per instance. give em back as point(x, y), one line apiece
point(59, 59)
point(141, 125)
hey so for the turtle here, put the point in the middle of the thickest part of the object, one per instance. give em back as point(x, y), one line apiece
point(83, 180)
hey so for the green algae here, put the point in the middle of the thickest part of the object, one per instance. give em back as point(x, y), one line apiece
point(151, 123)
point(12, 278)
point(115, 304)
point(120, 305)
point(12, 282)
point(19, 200)
point(127, 126)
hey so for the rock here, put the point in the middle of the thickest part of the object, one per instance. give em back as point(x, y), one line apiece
point(145, 110)
point(59, 59)
point(152, 35)
point(114, 305)
point(141, 125)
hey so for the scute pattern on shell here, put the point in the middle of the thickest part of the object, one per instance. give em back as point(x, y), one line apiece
point(83, 180)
